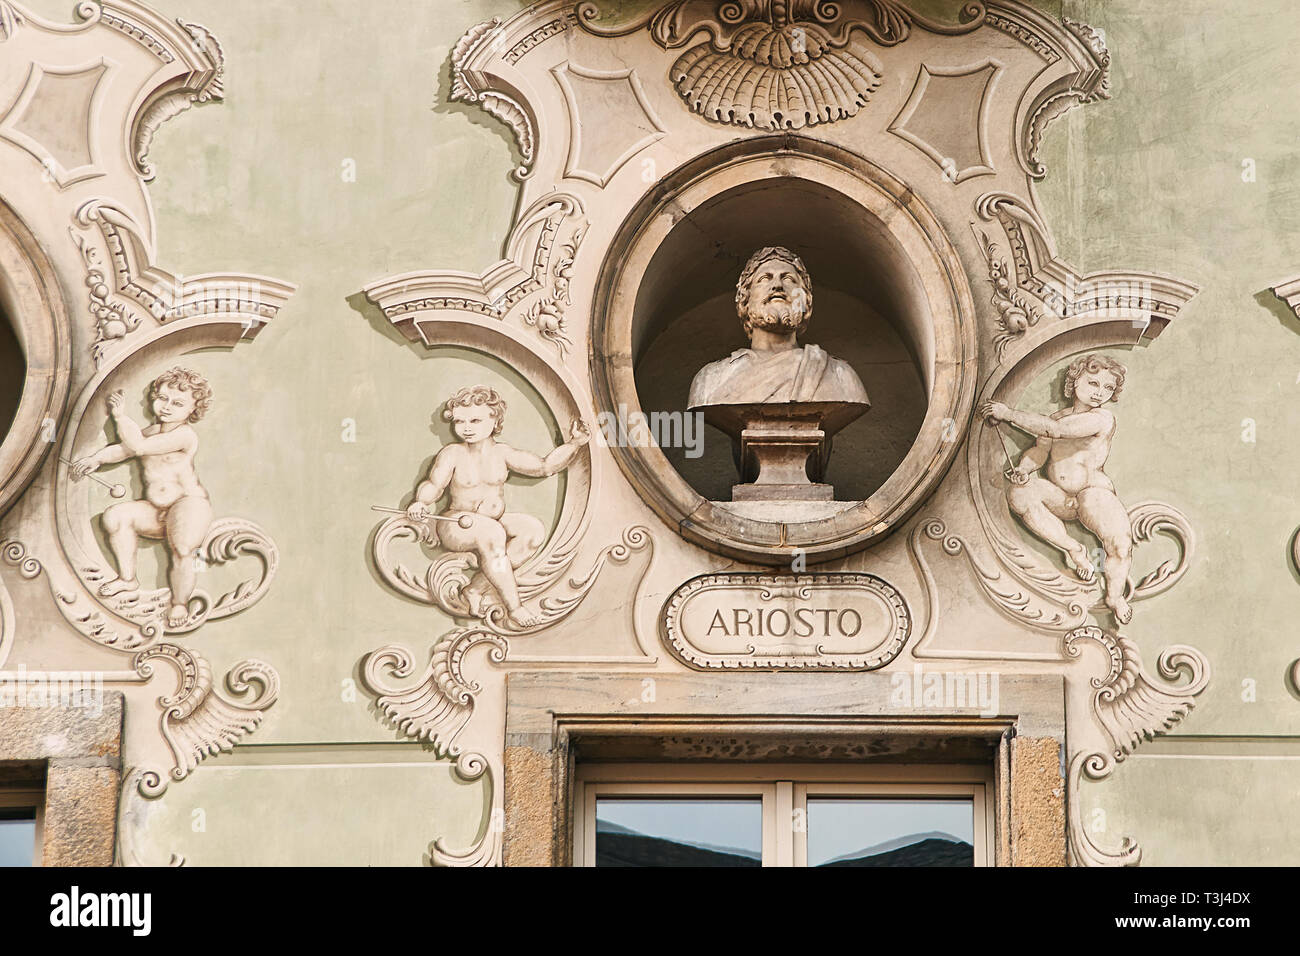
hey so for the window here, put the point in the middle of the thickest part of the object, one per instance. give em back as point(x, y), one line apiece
point(787, 815)
point(21, 825)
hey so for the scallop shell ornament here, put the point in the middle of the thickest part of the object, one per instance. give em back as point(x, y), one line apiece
point(777, 76)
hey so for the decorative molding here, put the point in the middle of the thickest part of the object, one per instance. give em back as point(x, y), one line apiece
point(75, 163)
point(141, 291)
point(202, 84)
point(1145, 301)
point(605, 87)
point(1015, 312)
point(778, 64)
point(199, 721)
point(468, 87)
point(526, 269)
point(971, 142)
point(872, 601)
point(1130, 708)
point(540, 35)
point(1089, 84)
point(1288, 290)
point(1023, 33)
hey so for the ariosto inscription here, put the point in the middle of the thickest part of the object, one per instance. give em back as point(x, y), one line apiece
point(755, 620)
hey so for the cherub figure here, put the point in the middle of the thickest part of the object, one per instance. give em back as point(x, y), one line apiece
point(175, 506)
point(473, 473)
point(1073, 444)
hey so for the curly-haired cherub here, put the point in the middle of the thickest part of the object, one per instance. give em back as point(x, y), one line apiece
point(473, 473)
point(175, 506)
point(1073, 444)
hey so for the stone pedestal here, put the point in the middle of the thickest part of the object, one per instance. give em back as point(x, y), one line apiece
point(781, 448)
point(780, 461)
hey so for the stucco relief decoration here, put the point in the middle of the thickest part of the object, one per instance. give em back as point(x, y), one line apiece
point(130, 458)
point(778, 64)
point(1039, 527)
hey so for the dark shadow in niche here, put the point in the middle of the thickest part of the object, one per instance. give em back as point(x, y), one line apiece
point(13, 372)
point(861, 289)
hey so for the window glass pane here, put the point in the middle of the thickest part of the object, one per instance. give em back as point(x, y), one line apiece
point(853, 831)
point(17, 836)
point(677, 831)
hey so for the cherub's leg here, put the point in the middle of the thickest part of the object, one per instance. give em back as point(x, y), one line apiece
point(1041, 505)
point(188, 521)
point(124, 523)
point(487, 537)
point(524, 535)
point(1102, 513)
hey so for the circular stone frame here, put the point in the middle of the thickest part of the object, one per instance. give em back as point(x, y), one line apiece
point(952, 362)
point(31, 297)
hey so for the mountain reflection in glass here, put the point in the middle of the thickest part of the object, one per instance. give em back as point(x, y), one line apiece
point(672, 831)
point(845, 831)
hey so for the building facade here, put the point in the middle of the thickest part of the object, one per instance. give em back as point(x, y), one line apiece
point(421, 446)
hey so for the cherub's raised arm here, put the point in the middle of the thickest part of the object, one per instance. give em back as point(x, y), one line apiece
point(530, 465)
point(1083, 425)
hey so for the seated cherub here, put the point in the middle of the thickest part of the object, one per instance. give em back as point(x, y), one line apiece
point(473, 473)
point(175, 506)
point(1072, 448)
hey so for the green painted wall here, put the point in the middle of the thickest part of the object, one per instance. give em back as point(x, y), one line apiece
point(1152, 179)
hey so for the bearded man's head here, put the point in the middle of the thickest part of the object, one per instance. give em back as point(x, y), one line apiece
point(774, 292)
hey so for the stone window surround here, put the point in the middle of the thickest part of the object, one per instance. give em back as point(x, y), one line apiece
point(842, 718)
point(79, 756)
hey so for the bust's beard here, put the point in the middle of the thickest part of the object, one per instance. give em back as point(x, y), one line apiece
point(779, 317)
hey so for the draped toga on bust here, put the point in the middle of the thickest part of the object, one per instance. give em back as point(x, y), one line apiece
point(749, 376)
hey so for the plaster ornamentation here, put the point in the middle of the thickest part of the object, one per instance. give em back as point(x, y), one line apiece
point(115, 610)
point(475, 529)
point(201, 85)
point(531, 265)
point(468, 88)
point(841, 621)
point(436, 710)
point(1015, 313)
point(133, 818)
point(1131, 708)
point(946, 117)
point(576, 323)
point(70, 153)
point(1090, 83)
point(11, 18)
point(777, 64)
point(198, 721)
point(543, 33)
point(1024, 33)
point(598, 150)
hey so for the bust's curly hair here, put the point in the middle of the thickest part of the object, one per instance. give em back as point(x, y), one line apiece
point(1089, 364)
point(187, 380)
point(478, 395)
point(747, 276)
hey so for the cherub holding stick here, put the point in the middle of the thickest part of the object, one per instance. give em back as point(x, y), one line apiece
point(472, 473)
point(175, 506)
point(1072, 448)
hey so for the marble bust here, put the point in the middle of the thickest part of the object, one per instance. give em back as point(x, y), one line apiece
point(779, 401)
point(774, 299)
